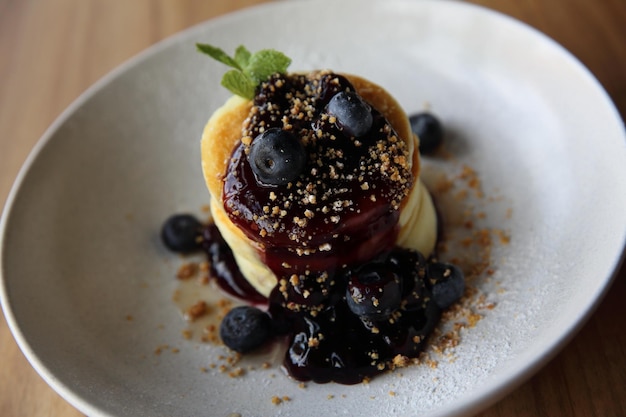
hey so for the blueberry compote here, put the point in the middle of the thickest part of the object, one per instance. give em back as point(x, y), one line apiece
point(351, 330)
point(317, 182)
point(334, 342)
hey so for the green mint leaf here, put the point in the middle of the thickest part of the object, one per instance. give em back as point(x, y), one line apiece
point(250, 70)
point(238, 83)
point(242, 56)
point(264, 63)
point(218, 54)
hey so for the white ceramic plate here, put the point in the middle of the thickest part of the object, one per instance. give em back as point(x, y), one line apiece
point(80, 250)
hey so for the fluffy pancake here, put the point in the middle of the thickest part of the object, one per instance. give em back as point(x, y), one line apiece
point(417, 222)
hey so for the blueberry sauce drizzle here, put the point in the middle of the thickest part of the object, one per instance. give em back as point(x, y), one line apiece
point(224, 268)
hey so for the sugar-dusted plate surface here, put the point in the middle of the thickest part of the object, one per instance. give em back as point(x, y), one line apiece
point(87, 287)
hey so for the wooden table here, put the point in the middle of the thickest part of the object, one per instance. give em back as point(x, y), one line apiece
point(52, 50)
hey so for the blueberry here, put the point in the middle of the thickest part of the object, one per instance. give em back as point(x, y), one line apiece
point(353, 115)
point(182, 233)
point(447, 283)
point(411, 266)
point(374, 291)
point(245, 328)
point(406, 260)
point(429, 131)
point(277, 157)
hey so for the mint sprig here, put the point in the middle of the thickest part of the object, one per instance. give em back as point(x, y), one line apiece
point(249, 70)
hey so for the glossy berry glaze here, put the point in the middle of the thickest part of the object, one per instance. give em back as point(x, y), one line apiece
point(224, 268)
point(317, 231)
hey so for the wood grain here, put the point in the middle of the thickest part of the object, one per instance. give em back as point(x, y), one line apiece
point(52, 50)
